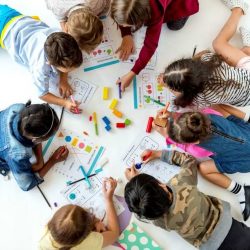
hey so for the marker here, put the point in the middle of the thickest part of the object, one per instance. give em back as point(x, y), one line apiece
point(149, 124)
point(155, 101)
point(166, 109)
point(82, 179)
point(95, 123)
point(62, 150)
point(145, 157)
point(44, 197)
point(120, 89)
point(74, 102)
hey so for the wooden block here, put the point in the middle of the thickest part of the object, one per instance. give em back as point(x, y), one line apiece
point(120, 125)
point(127, 122)
point(105, 93)
point(117, 113)
point(113, 104)
point(161, 122)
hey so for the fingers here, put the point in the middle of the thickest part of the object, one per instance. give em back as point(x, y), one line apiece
point(118, 50)
point(145, 154)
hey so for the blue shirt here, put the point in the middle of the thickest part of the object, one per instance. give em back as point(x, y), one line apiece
point(15, 150)
point(24, 41)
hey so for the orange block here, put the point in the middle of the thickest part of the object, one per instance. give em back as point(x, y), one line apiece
point(117, 113)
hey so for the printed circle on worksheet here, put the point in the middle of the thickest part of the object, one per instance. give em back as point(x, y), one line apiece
point(68, 138)
point(72, 196)
point(81, 145)
point(121, 237)
point(144, 240)
point(132, 238)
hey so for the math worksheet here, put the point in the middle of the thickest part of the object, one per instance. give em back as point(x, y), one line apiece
point(157, 168)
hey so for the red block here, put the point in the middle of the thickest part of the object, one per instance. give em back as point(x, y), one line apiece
point(120, 125)
point(149, 125)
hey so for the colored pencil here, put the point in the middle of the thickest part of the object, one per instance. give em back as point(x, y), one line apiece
point(155, 101)
point(86, 176)
point(44, 197)
point(82, 179)
point(95, 123)
point(74, 102)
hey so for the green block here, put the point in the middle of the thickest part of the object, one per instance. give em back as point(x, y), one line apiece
point(127, 122)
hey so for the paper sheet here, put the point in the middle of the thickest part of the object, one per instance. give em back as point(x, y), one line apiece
point(104, 54)
point(160, 170)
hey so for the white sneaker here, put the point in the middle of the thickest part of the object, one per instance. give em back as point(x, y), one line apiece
point(237, 3)
point(245, 35)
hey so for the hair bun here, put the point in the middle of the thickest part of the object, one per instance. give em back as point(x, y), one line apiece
point(195, 122)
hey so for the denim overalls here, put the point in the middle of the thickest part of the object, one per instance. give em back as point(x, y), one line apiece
point(230, 143)
point(15, 150)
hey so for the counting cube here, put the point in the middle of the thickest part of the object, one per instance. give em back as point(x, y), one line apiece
point(117, 113)
point(113, 104)
point(105, 93)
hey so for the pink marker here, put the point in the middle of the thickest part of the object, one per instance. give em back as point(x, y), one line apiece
point(74, 102)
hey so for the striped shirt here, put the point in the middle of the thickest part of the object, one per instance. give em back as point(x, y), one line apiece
point(235, 92)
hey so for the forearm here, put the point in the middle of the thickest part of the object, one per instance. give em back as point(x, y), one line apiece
point(52, 99)
point(46, 167)
point(113, 224)
point(39, 158)
point(227, 110)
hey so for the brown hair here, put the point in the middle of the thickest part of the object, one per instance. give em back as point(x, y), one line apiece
point(86, 28)
point(190, 127)
point(62, 50)
point(131, 12)
point(70, 225)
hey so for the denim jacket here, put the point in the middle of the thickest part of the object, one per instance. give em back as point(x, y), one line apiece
point(15, 150)
point(230, 143)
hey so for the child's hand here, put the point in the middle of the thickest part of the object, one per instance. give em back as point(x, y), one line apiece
point(65, 89)
point(100, 227)
point(131, 172)
point(127, 48)
point(163, 113)
point(126, 80)
point(149, 155)
point(108, 187)
point(160, 130)
point(59, 155)
point(72, 107)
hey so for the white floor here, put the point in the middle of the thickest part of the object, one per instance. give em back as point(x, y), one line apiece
point(23, 214)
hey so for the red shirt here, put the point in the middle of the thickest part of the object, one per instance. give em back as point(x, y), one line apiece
point(162, 11)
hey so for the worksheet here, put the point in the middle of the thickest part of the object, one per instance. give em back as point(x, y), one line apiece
point(147, 86)
point(104, 54)
point(160, 170)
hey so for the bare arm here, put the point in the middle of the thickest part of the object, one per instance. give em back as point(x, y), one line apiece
point(227, 110)
point(113, 229)
point(39, 158)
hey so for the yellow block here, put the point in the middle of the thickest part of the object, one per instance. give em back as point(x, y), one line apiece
point(74, 142)
point(105, 93)
point(113, 104)
point(117, 113)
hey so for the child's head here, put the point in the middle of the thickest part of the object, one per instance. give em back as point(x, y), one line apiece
point(146, 197)
point(86, 28)
point(186, 78)
point(38, 122)
point(70, 225)
point(189, 127)
point(134, 13)
point(63, 51)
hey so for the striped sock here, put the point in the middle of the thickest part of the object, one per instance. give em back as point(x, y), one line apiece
point(239, 191)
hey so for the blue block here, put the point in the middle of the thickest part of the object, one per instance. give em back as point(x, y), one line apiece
point(106, 120)
point(108, 128)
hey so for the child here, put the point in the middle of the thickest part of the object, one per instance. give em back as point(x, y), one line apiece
point(202, 220)
point(207, 79)
point(22, 129)
point(152, 13)
point(228, 140)
point(73, 227)
point(81, 19)
point(44, 51)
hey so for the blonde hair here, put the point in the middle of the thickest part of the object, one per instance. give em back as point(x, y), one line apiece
point(86, 28)
point(70, 225)
point(131, 12)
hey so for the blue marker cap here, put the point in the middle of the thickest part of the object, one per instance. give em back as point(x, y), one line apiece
point(138, 165)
